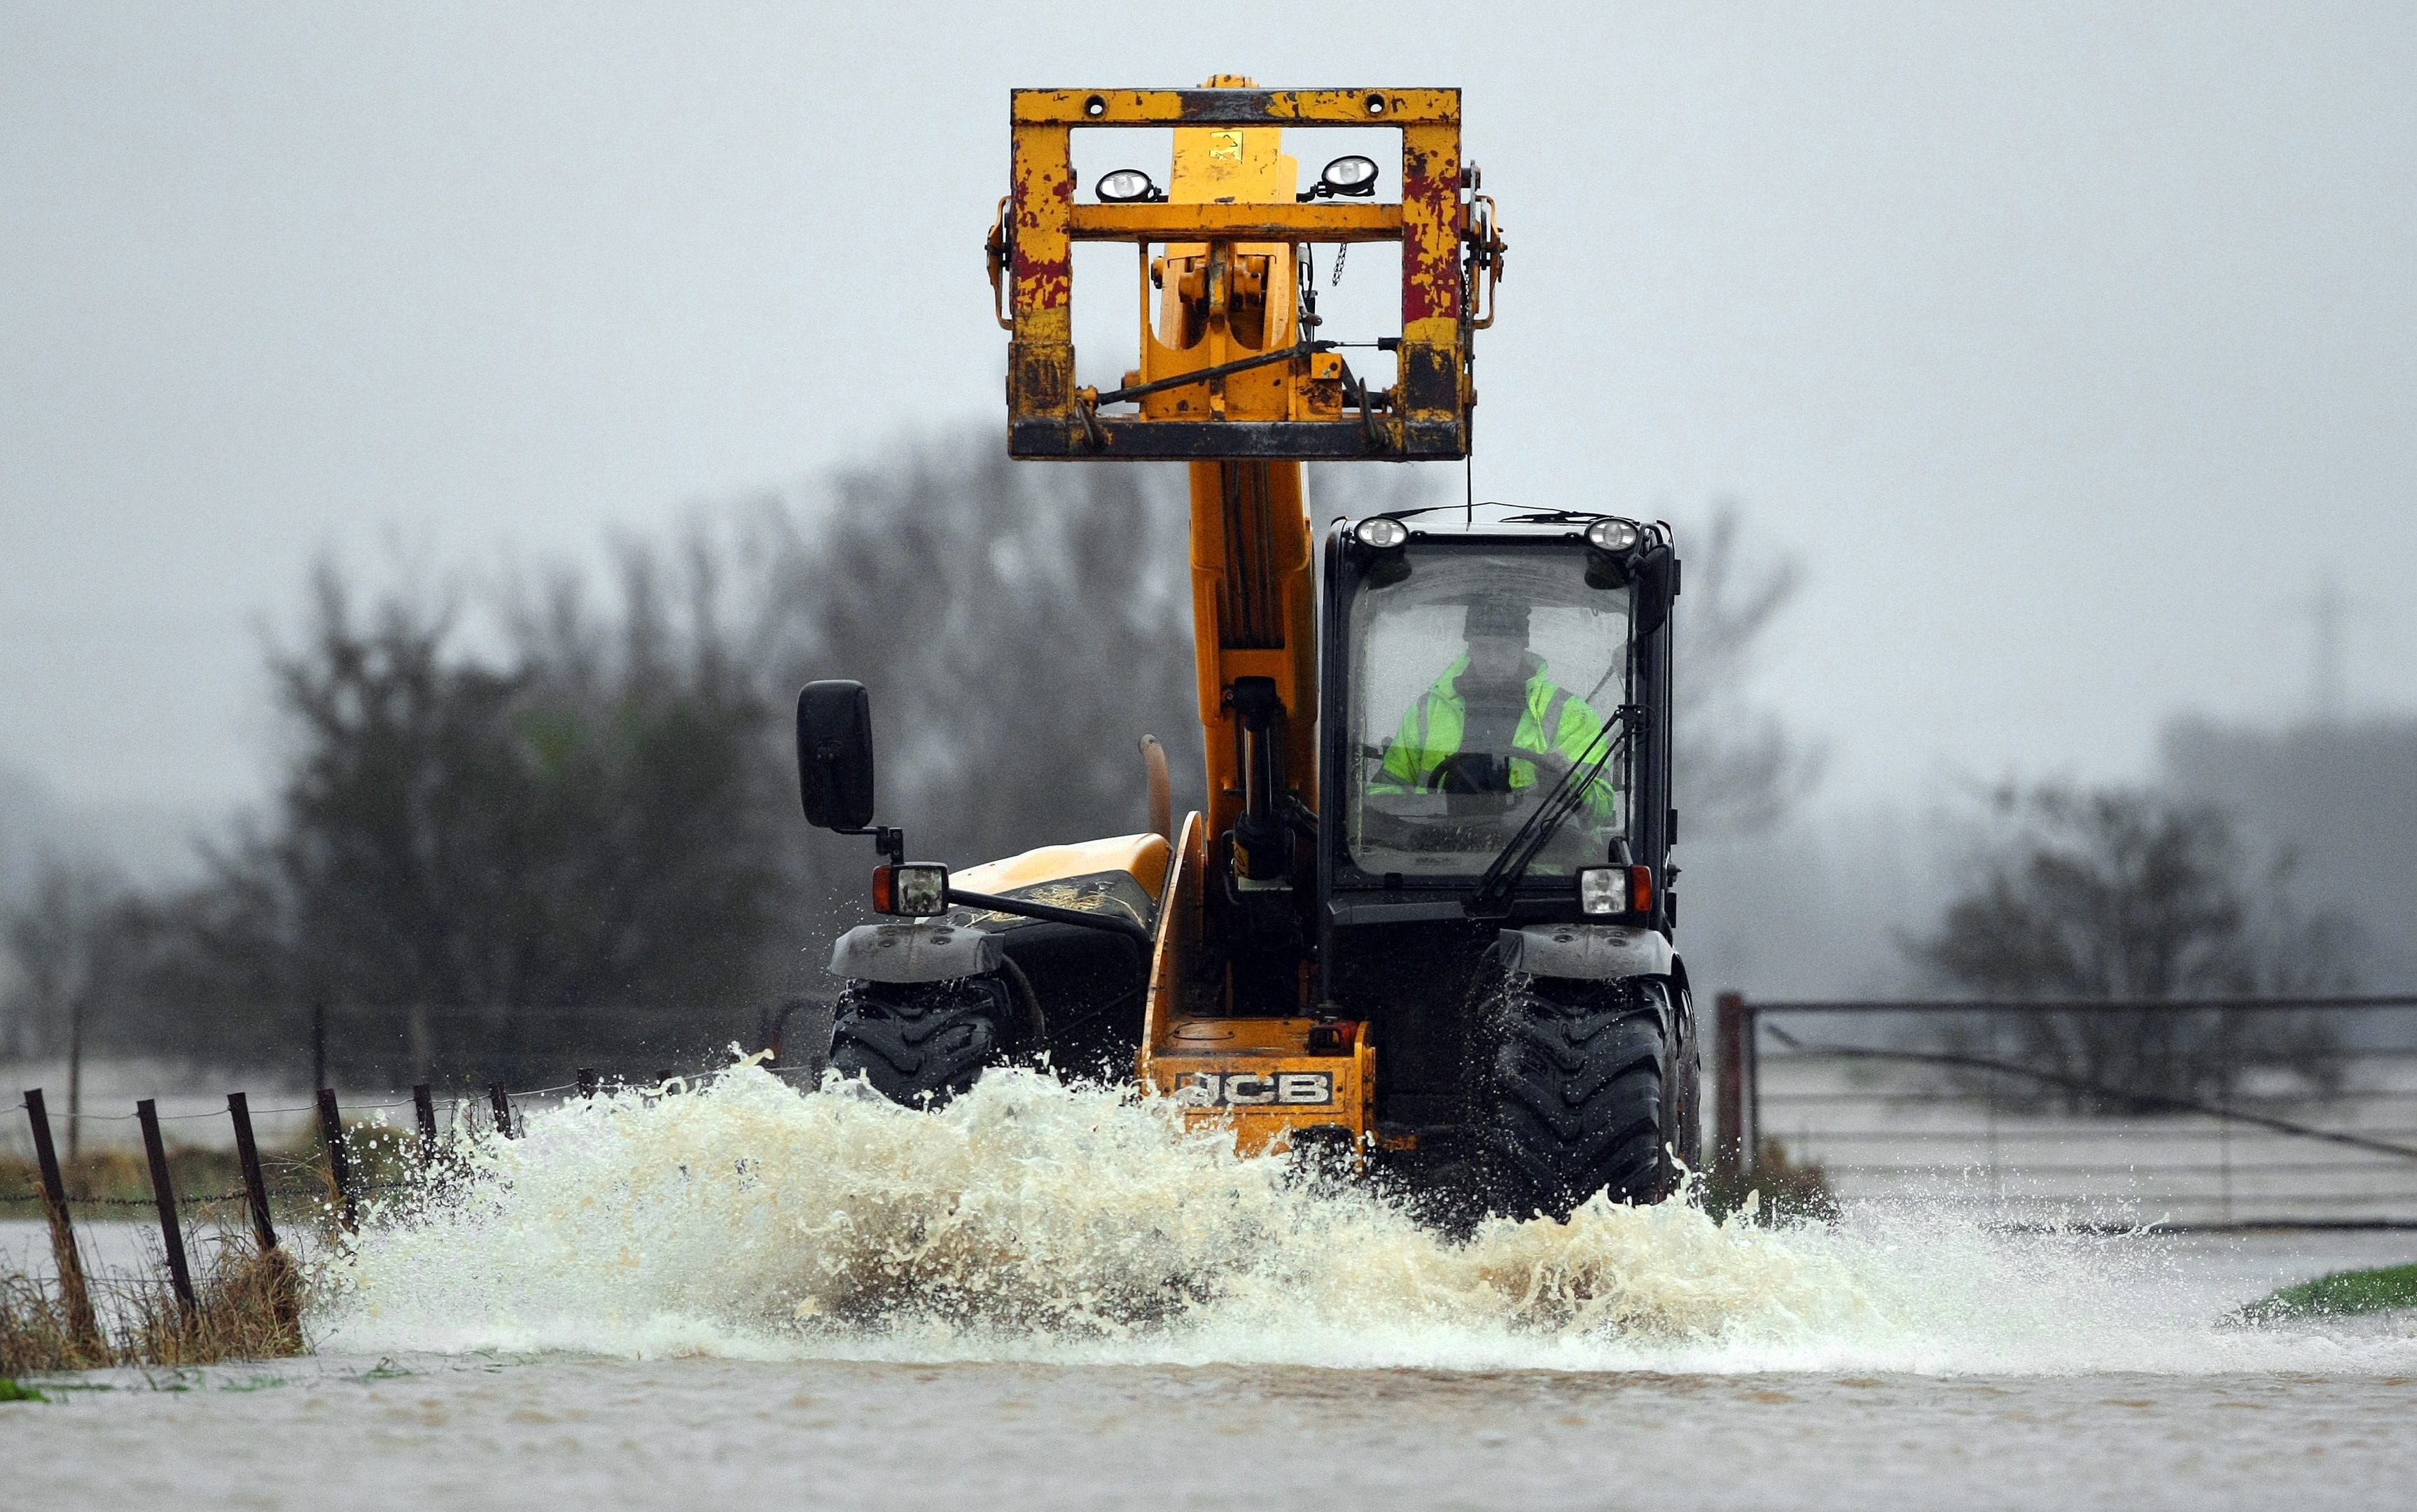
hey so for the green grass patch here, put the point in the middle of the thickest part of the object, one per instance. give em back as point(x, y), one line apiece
point(2343, 1293)
point(15, 1391)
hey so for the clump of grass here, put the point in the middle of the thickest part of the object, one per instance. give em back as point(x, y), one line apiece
point(1788, 1190)
point(2342, 1295)
point(36, 1335)
point(13, 1391)
point(247, 1307)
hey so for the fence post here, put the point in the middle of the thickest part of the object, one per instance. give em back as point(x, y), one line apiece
point(164, 1192)
point(256, 1189)
point(81, 1322)
point(1750, 1108)
point(340, 1164)
point(502, 1102)
point(589, 1081)
point(424, 1108)
point(1729, 1155)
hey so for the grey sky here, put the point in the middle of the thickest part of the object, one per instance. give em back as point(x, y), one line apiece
point(2067, 345)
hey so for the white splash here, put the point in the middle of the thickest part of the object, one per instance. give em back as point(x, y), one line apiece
point(1028, 1220)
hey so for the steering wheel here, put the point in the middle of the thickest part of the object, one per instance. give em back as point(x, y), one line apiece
point(1469, 772)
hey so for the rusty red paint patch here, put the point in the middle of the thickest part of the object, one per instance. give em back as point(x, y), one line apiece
point(1044, 282)
point(1430, 274)
point(1043, 286)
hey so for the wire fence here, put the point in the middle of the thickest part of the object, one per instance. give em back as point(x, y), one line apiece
point(311, 1176)
point(2205, 1113)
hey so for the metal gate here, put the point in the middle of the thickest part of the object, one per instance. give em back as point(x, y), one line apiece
point(2208, 1112)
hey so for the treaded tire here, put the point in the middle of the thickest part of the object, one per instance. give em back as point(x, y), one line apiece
point(920, 1044)
point(1577, 1091)
point(1687, 1080)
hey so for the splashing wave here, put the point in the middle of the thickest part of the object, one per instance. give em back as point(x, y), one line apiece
point(1030, 1221)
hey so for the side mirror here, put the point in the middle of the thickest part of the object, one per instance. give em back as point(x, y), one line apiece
point(1656, 576)
point(835, 755)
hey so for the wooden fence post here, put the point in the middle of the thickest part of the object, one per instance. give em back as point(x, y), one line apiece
point(502, 1102)
point(1730, 1157)
point(340, 1164)
point(424, 1108)
point(256, 1187)
point(164, 1192)
point(72, 1291)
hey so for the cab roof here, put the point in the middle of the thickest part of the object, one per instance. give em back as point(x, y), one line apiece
point(1499, 520)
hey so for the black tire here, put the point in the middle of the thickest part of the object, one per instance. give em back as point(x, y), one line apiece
point(919, 1044)
point(1580, 1088)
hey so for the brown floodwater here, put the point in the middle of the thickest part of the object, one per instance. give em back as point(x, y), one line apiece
point(1051, 1298)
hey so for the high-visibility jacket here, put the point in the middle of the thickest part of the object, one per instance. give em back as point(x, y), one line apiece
point(1551, 719)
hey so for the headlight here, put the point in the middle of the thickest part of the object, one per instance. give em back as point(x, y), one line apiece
point(1615, 890)
point(1612, 535)
point(1127, 186)
point(1352, 178)
point(918, 889)
point(1382, 533)
point(1603, 890)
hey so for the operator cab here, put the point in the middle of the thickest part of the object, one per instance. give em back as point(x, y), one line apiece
point(1495, 739)
point(1479, 678)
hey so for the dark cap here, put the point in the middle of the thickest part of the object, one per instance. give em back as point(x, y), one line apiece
point(1498, 617)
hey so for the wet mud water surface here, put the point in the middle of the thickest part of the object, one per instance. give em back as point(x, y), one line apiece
point(1045, 1297)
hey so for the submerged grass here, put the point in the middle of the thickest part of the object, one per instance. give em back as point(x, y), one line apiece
point(2343, 1293)
point(247, 1305)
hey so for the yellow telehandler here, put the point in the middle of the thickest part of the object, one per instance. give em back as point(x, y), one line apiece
point(1425, 915)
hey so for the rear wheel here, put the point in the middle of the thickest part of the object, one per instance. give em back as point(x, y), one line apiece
point(922, 1043)
point(1581, 1087)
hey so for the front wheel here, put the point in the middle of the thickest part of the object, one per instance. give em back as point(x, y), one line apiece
point(1580, 1087)
point(921, 1043)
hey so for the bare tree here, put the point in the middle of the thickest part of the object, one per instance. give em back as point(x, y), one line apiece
point(1021, 626)
point(483, 864)
point(1738, 769)
point(65, 940)
point(2118, 894)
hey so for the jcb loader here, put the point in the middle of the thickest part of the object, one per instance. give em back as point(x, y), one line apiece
point(1425, 916)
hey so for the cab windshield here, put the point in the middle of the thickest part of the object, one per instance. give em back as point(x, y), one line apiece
point(1476, 680)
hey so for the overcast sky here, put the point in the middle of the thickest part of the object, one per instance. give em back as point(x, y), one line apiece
point(2067, 346)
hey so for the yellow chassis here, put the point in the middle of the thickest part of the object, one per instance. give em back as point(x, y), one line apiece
point(1271, 1078)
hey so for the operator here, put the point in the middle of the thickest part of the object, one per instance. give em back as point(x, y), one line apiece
point(1494, 719)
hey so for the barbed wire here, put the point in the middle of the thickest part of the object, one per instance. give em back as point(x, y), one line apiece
point(465, 1106)
point(460, 1099)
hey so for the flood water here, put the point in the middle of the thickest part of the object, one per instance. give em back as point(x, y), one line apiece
point(1040, 1297)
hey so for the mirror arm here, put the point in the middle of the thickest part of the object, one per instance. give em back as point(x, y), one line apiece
point(889, 842)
